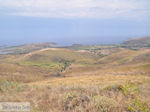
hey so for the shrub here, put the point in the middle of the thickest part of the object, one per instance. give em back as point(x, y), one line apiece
point(136, 105)
point(130, 89)
point(74, 100)
point(103, 103)
point(113, 88)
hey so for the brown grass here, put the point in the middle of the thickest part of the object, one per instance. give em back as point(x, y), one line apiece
point(55, 95)
point(87, 85)
point(104, 80)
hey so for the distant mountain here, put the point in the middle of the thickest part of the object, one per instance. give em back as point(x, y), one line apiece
point(39, 45)
point(23, 49)
point(137, 43)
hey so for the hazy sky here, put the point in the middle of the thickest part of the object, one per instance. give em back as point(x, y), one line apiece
point(73, 21)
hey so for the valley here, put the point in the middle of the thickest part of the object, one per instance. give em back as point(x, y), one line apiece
point(78, 78)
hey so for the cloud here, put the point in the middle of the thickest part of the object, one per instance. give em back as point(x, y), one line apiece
point(100, 9)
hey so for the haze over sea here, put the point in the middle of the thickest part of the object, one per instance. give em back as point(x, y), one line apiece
point(69, 22)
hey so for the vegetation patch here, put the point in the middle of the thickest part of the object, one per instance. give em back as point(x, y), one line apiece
point(137, 105)
point(43, 65)
point(74, 100)
point(113, 88)
point(104, 104)
point(11, 86)
point(134, 103)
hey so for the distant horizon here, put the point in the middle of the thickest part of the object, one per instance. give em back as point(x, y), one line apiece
point(70, 44)
point(73, 22)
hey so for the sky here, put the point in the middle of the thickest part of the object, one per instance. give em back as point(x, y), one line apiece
point(68, 22)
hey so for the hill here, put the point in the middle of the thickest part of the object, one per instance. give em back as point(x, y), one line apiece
point(56, 58)
point(77, 78)
point(137, 43)
point(79, 62)
point(23, 49)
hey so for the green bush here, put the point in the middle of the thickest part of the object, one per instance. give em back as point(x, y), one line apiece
point(136, 105)
point(130, 89)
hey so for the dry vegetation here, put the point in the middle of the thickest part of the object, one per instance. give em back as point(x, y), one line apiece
point(64, 80)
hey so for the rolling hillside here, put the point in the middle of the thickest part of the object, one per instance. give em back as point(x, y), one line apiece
point(137, 43)
point(77, 78)
point(96, 60)
point(23, 49)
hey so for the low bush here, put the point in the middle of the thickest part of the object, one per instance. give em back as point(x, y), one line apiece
point(74, 101)
point(130, 89)
point(136, 105)
point(104, 104)
point(113, 88)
